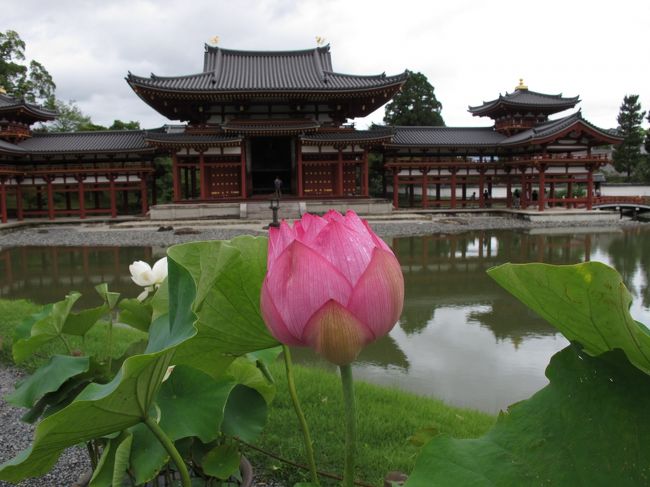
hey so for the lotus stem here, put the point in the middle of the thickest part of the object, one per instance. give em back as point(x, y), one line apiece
point(110, 341)
point(171, 449)
point(351, 424)
point(309, 448)
point(66, 344)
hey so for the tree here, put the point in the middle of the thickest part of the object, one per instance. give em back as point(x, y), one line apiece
point(30, 82)
point(627, 156)
point(70, 118)
point(415, 105)
point(120, 125)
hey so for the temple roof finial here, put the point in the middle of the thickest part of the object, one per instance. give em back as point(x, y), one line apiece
point(2, 90)
point(214, 40)
point(521, 85)
point(320, 41)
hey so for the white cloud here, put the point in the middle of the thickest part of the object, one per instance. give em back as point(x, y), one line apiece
point(470, 50)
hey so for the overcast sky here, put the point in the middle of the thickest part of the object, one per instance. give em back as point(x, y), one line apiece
point(470, 50)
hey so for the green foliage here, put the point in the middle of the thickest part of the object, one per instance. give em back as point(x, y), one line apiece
point(588, 426)
point(30, 82)
point(627, 156)
point(416, 104)
point(191, 407)
point(587, 302)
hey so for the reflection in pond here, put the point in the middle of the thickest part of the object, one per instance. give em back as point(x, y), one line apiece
point(47, 274)
point(464, 339)
point(460, 338)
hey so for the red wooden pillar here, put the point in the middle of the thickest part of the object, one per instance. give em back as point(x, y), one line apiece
point(3, 201)
point(50, 198)
point(542, 186)
point(19, 201)
point(425, 188)
point(590, 187)
point(395, 188)
point(339, 174)
point(176, 178)
point(203, 186)
point(569, 191)
point(82, 196)
point(364, 174)
point(524, 195)
point(551, 193)
point(144, 204)
point(112, 195)
point(242, 187)
point(453, 187)
point(300, 168)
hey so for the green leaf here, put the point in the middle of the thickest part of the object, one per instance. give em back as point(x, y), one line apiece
point(110, 298)
point(45, 327)
point(136, 314)
point(192, 404)
point(245, 415)
point(79, 323)
point(103, 476)
point(122, 453)
point(228, 277)
point(147, 454)
point(587, 302)
point(47, 378)
point(101, 410)
point(221, 462)
point(247, 373)
point(589, 426)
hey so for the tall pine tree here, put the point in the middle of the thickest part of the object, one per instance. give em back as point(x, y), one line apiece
point(627, 156)
point(415, 105)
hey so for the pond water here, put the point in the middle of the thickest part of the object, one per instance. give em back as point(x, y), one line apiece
point(461, 337)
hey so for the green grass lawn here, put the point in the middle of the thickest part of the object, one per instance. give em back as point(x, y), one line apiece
point(386, 417)
point(386, 420)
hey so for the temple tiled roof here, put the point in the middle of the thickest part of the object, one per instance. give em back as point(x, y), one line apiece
point(161, 139)
point(524, 98)
point(554, 127)
point(9, 104)
point(446, 137)
point(10, 148)
point(349, 136)
point(227, 70)
point(102, 141)
point(273, 126)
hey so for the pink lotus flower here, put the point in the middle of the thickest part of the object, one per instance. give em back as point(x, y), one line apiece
point(331, 284)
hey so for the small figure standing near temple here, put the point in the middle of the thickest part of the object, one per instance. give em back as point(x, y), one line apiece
point(517, 198)
point(486, 198)
point(277, 184)
point(535, 195)
point(473, 198)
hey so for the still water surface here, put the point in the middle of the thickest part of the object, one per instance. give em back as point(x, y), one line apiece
point(461, 338)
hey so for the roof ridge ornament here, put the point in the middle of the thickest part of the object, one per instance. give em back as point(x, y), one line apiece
point(521, 86)
point(214, 40)
point(2, 90)
point(320, 41)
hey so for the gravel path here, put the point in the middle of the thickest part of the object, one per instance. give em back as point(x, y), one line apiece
point(15, 435)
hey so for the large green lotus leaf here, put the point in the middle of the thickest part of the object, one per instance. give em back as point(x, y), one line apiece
point(221, 462)
point(47, 378)
point(79, 323)
point(589, 427)
point(192, 404)
point(45, 328)
point(228, 277)
point(247, 373)
point(587, 302)
point(245, 415)
point(100, 410)
point(135, 314)
point(147, 454)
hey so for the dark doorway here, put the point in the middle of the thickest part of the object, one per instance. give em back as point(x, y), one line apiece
point(270, 158)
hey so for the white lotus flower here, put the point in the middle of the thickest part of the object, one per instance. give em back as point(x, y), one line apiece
point(148, 277)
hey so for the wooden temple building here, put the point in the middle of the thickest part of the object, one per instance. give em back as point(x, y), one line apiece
point(523, 150)
point(251, 117)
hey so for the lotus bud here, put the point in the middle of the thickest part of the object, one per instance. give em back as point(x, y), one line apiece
point(331, 285)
